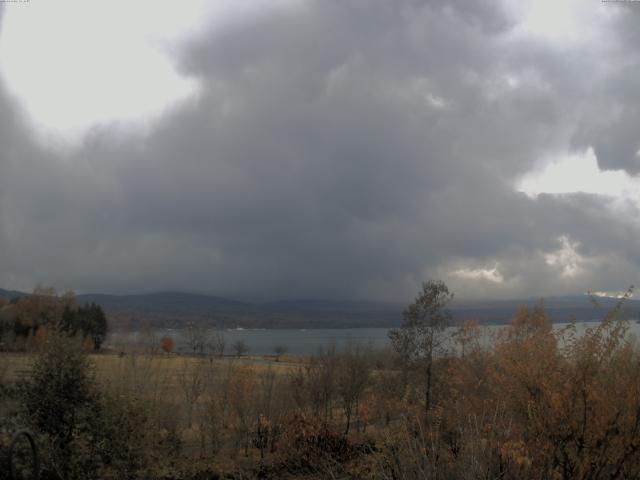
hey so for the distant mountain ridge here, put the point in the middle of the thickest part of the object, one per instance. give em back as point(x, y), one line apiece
point(170, 301)
point(177, 309)
point(10, 294)
point(174, 309)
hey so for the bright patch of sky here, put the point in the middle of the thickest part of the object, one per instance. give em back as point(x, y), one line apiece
point(490, 274)
point(611, 294)
point(73, 64)
point(566, 258)
point(580, 173)
point(561, 21)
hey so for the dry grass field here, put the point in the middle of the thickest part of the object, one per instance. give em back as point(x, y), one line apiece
point(155, 373)
point(191, 401)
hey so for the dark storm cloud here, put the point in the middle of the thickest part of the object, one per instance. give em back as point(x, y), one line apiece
point(337, 149)
point(611, 122)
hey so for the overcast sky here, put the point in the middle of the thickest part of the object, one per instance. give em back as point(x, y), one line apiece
point(320, 149)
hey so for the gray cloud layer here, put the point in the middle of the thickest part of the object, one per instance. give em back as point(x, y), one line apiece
point(339, 149)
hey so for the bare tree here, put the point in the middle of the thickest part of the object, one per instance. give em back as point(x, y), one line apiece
point(353, 379)
point(217, 343)
point(318, 381)
point(467, 336)
point(197, 338)
point(279, 350)
point(422, 333)
point(149, 338)
point(192, 379)
point(240, 347)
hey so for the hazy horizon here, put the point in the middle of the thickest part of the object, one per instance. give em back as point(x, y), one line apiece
point(239, 297)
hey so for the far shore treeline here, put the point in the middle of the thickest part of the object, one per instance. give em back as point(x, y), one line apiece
point(133, 312)
point(26, 321)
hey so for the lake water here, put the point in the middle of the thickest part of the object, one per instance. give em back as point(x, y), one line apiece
point(263, 341)
point(296, 341)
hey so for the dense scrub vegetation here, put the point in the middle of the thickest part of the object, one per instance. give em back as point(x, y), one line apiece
point(534, 403)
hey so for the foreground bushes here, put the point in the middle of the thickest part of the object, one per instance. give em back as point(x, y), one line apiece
point(533, 403)
point(83, 432)
point(539, 404)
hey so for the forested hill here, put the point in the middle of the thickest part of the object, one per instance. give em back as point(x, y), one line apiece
point(173, 309)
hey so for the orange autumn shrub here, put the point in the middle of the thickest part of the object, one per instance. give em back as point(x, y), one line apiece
point(166, 344)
